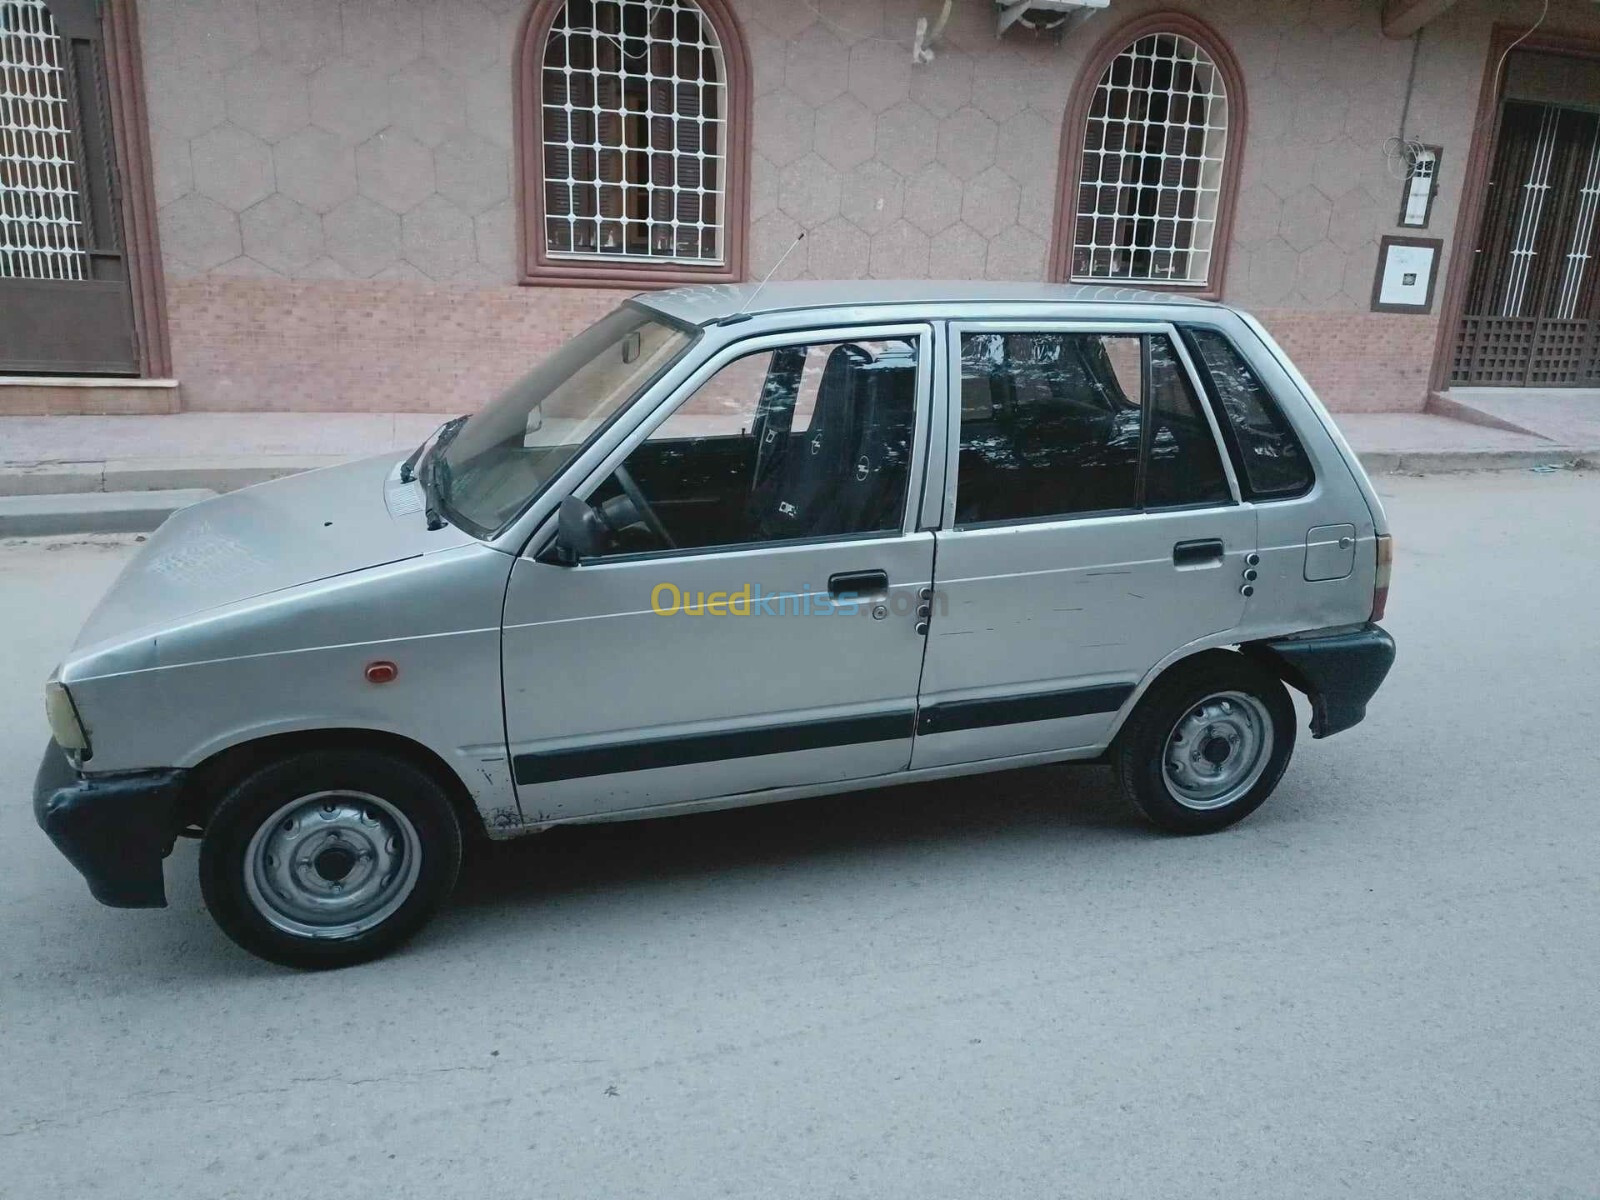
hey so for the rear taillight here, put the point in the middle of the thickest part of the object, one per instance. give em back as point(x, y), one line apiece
point(1380, 582)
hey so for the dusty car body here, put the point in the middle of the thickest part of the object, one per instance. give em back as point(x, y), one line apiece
point(810, 538)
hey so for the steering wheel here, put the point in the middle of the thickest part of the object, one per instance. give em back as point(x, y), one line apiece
point(643, 507)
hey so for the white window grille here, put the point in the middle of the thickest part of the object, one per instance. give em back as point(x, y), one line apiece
point(634, 124)
point(1153, 152)
point(41, 230)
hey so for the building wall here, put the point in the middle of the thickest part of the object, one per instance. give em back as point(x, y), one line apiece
point(334, 179)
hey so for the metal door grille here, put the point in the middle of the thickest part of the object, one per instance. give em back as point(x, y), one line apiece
point(1153, 153)
point(1533, 299)
point(41, 229)
point(633, 123)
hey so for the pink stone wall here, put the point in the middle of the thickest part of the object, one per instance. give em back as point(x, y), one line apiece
point(338, 224)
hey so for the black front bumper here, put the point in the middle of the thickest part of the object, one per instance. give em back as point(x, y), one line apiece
point(1339, 672)
point(115, 829)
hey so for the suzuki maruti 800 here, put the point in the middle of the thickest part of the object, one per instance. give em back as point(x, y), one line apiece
point(729, 546)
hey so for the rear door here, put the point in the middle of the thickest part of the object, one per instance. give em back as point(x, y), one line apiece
point(1092, 527)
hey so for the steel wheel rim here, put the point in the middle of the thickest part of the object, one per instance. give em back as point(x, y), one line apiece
point(1218, 750)
point(332, 864)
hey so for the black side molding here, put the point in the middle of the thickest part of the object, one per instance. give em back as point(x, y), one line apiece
point(1014, 710)
point(647, 754)
point(1339, 672)
point(115, 829)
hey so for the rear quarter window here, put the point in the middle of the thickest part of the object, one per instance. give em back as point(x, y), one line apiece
point(1268, 457)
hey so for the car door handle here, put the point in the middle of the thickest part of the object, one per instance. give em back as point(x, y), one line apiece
point(1197, 553)
point(859, 585)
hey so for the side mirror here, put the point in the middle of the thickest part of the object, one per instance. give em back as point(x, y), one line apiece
point(580, 532)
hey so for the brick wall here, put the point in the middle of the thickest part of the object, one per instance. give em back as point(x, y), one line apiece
point(1359, 362)
point(362, 346)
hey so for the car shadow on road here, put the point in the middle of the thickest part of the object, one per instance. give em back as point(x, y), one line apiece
point(665, 868)
point(1035, 806)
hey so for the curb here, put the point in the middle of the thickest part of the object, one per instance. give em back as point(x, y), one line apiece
point(154, 474)
point(96, 512)
point(1447, 462)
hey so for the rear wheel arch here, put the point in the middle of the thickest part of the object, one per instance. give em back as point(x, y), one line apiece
point(210, 779)
point(1193, 661)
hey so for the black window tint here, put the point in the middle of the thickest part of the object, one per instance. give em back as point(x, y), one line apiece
point(1050, 425)
point(1269, 457)
point(799, 442)
point(1184, 464)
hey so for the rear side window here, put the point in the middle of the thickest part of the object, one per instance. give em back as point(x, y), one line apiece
point(1068, 424)
point(1269, 458)
point(1183, 464)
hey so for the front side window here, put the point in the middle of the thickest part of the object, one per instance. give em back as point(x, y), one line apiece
point(633, 134)
point(1057, 425)
point(506, 453)
point(1271, 462)
point(1153, 166)
point(798, 442)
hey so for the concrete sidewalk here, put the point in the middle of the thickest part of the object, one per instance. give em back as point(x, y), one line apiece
point(41, 456)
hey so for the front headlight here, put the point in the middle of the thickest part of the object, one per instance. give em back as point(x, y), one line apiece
point(65, 726)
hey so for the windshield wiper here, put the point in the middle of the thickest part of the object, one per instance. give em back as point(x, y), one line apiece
point(436, 477)
point(408, 469)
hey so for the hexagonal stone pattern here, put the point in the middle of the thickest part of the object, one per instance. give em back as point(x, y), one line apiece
point(471, 173)
point(362, 236)
point(350, 99)
point(933, 199)
point(967, 142)
point(874, 197)
point(373, 139)
point(232, 167)
point(438, 238)
point(426, 102)
point(991, 203)
point(198, 234)
point(899, 252)
point(266, 96)
point(845, 132)
point(282, 235)
point(316, 168)
point(808, 190)
point(290, 137)
point(395, 169)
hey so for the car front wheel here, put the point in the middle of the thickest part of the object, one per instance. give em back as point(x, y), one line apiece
point(328, 858)
point(1207, 744)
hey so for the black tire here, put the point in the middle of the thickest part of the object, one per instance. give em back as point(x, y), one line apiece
point(411, 812)
point(1140, 756)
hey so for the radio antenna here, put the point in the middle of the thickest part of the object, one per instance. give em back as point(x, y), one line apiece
point(744, 312)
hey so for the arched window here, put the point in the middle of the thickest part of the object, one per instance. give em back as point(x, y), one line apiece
point(632, 135)
point(1151, 158)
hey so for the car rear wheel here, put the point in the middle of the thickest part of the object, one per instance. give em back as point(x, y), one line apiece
point(328, 858)
point(1207, 744)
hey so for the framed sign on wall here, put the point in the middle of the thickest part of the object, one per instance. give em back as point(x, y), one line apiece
point(1408, 267)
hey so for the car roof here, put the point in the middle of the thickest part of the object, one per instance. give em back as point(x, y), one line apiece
point(703, 304)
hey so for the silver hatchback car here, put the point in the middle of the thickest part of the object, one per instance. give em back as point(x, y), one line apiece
point(728, 546)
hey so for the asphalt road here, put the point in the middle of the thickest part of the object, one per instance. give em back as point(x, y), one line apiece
point(1386, 983)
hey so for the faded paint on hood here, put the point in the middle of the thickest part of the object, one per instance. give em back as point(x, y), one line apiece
point(260, 540)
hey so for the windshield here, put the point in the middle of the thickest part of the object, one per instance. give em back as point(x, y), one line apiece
point(506, 453)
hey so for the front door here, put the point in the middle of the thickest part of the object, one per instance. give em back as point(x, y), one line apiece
point(65, 303)
point(1093, 530)
point(751, 623)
